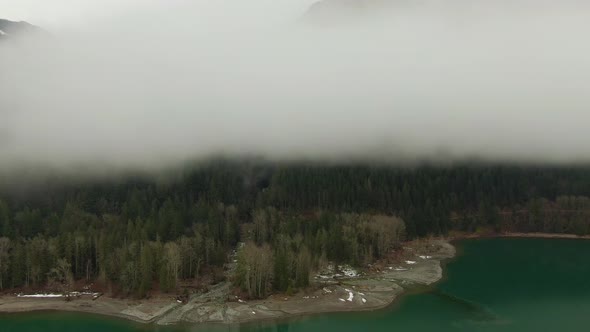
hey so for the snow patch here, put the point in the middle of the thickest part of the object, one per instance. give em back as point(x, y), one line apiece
point(2, 33)
point(425, 257)
point(53, 295)
point(342, 271)
point(350, 295)
point(410, 262)
point(40, 295)
point(349, 271)
point(83, 293)
point(364, 300)
point(327, 290)
point(343, 300)
point(391, 268)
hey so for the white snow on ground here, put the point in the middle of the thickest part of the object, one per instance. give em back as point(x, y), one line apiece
point(399, 268)
point(327, 290)
point(349, 271)
point(364, 300)
point(410, 262)
point(350, 295)
point(253, 312)
point(342, 271)
point(84, 293)
point(40, 295)
point(51, 295)
point(425, 257)
point(241, 301)
point(343, 300)
point(2, 33)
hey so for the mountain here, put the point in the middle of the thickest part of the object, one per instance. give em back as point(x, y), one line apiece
point(10, 29)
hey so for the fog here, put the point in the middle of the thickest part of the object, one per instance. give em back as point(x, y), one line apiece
point(156, 83)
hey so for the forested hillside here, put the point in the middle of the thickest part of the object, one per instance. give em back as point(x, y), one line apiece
point(137, 234)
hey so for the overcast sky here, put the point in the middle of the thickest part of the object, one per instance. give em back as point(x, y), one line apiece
point(153, 83)
point(60, 13)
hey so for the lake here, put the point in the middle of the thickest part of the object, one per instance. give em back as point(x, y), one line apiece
point(493, 285)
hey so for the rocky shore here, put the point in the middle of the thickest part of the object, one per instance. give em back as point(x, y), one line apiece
point(418, 265)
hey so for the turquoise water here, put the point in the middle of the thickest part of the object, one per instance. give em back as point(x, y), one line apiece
point(493, 285)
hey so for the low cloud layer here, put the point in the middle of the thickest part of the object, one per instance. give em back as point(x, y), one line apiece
point(177, 80)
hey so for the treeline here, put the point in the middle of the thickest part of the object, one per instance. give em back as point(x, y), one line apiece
point(127, 255)
point(132, 268)
point(567, 215)
point(425, 197)
point(282, 251)
point(143, 233)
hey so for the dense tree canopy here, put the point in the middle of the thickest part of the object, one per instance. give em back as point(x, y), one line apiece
point(141, 233)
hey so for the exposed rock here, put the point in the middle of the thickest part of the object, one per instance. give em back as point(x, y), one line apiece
point(372, 290)
point(367, 292)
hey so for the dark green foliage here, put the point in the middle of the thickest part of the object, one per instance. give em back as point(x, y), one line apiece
point(126, 231)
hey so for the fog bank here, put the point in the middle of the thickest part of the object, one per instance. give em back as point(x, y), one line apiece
point(162, 82)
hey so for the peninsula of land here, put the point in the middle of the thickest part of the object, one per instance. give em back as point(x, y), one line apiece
point(417, 264)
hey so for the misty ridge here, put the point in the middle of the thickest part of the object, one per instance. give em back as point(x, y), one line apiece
point(164, 84)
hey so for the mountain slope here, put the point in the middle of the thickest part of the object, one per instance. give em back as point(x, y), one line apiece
point(11, 29)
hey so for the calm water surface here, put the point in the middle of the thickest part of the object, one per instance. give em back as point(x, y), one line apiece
point(494, 285)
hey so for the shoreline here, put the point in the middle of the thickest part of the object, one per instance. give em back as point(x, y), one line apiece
point(369, 292)
point(108, 307)
point(535, 235)
point(420, 267)
point(548, 236)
